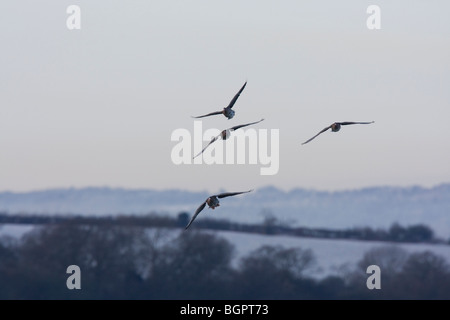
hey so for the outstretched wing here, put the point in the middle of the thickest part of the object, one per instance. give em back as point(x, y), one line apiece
point(229, 194)
point(212, 140)
point(199, 209)
point(244, 125)
point(233, 101)
point(349, 122)
point(323, 130)
point(209, 114)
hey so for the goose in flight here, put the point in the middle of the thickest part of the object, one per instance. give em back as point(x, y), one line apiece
point(225, 134)
point(227, 111)
point(213, 202)
point(335, 127)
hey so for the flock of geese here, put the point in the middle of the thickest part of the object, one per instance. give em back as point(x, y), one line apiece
point(213, 200)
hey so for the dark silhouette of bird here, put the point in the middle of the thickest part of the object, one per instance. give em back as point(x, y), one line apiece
point(225, 134)
point(227, 111)
point(335, 127)
point(213, 202)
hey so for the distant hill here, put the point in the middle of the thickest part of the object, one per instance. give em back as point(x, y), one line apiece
point(377, 207)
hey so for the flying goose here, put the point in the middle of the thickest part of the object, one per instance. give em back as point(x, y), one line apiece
point(213, 202)
point(335, 127)
point(227, 111)
point(225, 134)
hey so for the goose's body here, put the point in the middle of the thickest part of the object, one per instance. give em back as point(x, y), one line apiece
point(227, 111)
point(213, 202)
point(335, 127)
point(225, 134)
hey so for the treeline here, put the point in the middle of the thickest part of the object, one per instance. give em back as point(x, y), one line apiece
point(132, 262)
point(396, 233)
point(270, 226)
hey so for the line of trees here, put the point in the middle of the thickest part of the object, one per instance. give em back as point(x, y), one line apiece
point(270, 225)
point(396, 233)
point(133, 262)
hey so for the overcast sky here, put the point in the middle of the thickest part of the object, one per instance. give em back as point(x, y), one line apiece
point(97, 106)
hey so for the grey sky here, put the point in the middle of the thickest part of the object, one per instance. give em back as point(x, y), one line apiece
point(97, 106)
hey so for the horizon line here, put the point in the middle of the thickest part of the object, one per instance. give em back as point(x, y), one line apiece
point(268, 186)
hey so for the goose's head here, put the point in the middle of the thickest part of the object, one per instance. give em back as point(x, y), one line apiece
point(226, 134)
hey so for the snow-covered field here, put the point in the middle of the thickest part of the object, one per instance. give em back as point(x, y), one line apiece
point(330, 255)
point(14, 230)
